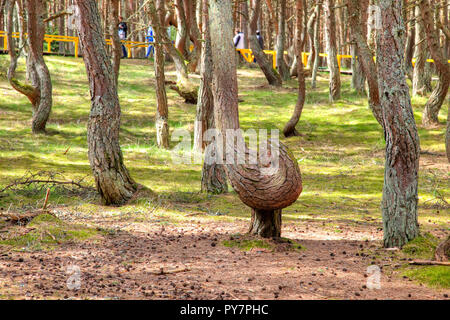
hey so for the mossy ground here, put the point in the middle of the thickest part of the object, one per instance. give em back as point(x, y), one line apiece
point(247, 243)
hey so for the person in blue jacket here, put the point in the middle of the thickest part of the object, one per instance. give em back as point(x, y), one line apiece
point(150, 38)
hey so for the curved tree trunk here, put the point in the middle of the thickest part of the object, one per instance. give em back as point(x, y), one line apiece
point(437, 98)
point(40, 91)
point(310, 30)
point(113, 181)
point(330, 36)
point(289, 130)
point(400, 195)
point(366, 59)
point(162, 110)
point(272, 76)
point(266, 190)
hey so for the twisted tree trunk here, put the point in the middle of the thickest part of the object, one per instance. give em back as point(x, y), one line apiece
point(289, 130)
point(330, 36)
point(40, 91)
point(113, 181)
point(263, 187)
point(400, 195)
point(437, 98)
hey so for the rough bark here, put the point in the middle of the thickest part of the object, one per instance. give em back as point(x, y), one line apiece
point(437, 98)
point(265, 191)
point(289, 129)
point(330, 36)
point(113, 181)
point(162, 110)
point(400, 195)
point(272, 76)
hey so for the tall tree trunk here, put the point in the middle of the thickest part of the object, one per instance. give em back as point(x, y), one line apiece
point(266, 192)
point(289, 129)
point(182, 32)
point(410, 45)
point(113, 181)
point(400, 195)
point(272, 76)
point(310, 30)
point(214, 179)
point(421, 73)
point(116, 45)
point(335, 76)
point(162, 110)
point(366, 59)
point(437, 98)
point(281, 64)
point(316, 45)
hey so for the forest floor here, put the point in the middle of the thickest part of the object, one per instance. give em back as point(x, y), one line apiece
point(177, 243)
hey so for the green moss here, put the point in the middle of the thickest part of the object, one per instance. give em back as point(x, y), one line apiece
point(433, 276)
point(421, 247)
point(247, 243)
point(48, 232)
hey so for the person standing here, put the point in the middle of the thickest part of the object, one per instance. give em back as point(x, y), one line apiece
point(123, 31)
point(260, 39)
point(150, 40)
point(239, 40)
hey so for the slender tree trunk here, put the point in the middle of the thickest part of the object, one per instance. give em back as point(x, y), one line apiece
point(182, 32)
point(400, 195)
point(409, 47)
point(289, 129)
point(437, 98)
point(335, 76)
point(421, 74)
point(272, 76)
point(113, 181)
point(281, 64)
point(116, 45)
point(316, 45)
point(162, 110)
point(265, 192)
point(310, 30)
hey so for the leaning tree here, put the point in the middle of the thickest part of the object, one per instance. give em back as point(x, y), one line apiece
point(265, 188)
point(400, 194)
point(113, 181)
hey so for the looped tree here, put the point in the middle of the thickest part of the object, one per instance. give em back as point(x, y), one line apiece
point(265, 188)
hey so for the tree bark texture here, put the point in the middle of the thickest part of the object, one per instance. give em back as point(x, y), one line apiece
point(400, 195)
point(112, 178)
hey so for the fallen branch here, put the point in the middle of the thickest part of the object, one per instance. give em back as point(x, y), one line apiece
point(429, 263)
point(162, 272)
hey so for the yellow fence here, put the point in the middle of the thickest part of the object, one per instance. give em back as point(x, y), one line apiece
point(246, 53)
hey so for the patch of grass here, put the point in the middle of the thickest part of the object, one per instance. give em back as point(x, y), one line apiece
point(247, 243)
point(433, 276)
point(421, 247)
point(47, 232)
